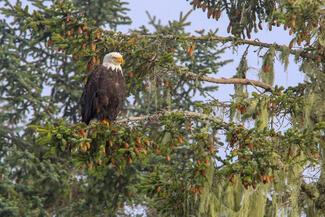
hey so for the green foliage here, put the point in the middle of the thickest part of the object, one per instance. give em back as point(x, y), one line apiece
point(301, 17)
point(176, 167)
point(284, 56)
point(31, 185)
point(103, 12)
point(182, 154)
point(267, 71)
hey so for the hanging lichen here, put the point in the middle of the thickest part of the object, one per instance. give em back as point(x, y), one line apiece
point(262, 116)
point(313, 115)
point(238, 108)
point(267, 72)
point(231, 199)
point(284, 57)
point(240, 90)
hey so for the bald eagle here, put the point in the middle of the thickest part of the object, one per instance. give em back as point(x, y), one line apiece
point(104, 92)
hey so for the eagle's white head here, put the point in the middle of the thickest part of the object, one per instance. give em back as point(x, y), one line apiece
point(113, 61)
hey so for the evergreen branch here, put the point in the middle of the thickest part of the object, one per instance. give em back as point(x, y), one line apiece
point(310, 190)
point(236, 41)
point(6, 133)
point(242, 81)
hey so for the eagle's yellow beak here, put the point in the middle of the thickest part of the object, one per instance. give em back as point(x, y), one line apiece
point(119, 60)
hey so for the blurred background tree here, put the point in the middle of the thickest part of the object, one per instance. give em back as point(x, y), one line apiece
point(176, 150)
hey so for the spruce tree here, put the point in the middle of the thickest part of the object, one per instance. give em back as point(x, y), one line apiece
point(176, 150)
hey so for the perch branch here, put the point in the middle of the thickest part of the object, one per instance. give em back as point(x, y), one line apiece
point(187, 114)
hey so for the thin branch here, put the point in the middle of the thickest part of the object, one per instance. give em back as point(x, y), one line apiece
point(242, 81)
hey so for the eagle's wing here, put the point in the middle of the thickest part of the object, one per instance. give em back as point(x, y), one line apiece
point(88, 98)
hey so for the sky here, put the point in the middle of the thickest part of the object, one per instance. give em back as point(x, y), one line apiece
point(166, 10)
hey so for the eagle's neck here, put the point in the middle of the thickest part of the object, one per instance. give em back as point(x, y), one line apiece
point(113, 67)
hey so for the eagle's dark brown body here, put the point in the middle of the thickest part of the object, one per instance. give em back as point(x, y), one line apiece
point(103, 95)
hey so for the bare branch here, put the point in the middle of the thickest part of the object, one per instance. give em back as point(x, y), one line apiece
point(242, 81)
